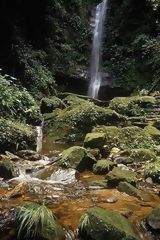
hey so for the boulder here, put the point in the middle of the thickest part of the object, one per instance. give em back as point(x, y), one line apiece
point(153, 219)
point(48, 105)
point(103, 166)
point(100, 224)
point(118, 175)
point(154, 132)
point(131, 106)
point(15, 135)
point(95, 140)
point(132, 191)
point(29, 155)
point(152, 169)
point(77, 158)
point(142, 155)
point(6, 169)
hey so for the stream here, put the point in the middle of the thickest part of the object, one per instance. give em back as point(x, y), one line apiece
point(69, 194)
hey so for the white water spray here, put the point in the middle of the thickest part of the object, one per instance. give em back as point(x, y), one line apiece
point(98, 24)
point(39, 138)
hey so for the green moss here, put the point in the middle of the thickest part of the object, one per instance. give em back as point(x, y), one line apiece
point(72, 99)
point(125, 138)
point(82, 118)
point(152, 170)
point(131, 106)
point(103, 166)
point(142, 155)
point(131, 190)
point(48, 105)
point(99, 224)
point(154, 132)
point(95, 140)
point(15, 136)
point(77, 158)
point(118, 175)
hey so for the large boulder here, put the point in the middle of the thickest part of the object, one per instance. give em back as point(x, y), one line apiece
point(154, 132)
point(77, 120)
point(103, 166)
point(6, 169)
point(142, 155)
point(15, 136)
point(132, 106)
point(95, 140)
point(126, 137)
point(100, 224)
point(153, 219)
point(48, 105)
point(118, 175)
point(152, 169)
point(77, 158)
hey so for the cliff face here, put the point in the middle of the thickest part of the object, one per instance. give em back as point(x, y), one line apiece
point(43, 40)
point(49, 40)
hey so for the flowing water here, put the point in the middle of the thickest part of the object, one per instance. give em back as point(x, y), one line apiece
point(98, 32)
point(39, 138)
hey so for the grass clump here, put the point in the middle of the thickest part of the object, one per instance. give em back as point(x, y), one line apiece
point(36, 222)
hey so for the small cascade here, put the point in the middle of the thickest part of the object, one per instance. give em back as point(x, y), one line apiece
point(39, 138)
point(98, 24)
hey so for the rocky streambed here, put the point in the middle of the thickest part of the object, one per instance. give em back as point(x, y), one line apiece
point(106, 185)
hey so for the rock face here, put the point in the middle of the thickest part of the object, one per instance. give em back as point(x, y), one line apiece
point(118, 175)
point(6, 169)
point(95, 140)
point(153, 219)
point(77, 158)
point(100, 224)
point(103, 166)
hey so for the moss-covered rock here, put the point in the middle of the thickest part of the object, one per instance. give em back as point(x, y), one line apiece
point(132, 191)
point(153, 219)
point(80, 119)
point(95, 140)
point(6, 169)
point(142, 155)
point(77, 158)
point(73, 99)
point(118, 175)
point(131, 106)
point(15, 136)
point(125, 138)
point(154, 132)
point(48, 105)
point(152, 169)
point(100, 224)
point(103, 166)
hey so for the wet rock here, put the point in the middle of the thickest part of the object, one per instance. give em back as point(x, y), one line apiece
point(112, 199)
point(95, 152)
point(103, 166)
point(99, 183)
point(114, 152)
point(132, 191)
point(63, 176)
point(29, 155)
point(18, 191)
point(153, 219)
point(77, 158)
point(118, 175)
point(95, 140)
point(6, 169)
point(123, 160)
point(100, 224)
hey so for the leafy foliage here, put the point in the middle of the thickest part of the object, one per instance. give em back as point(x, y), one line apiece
point(17, 103)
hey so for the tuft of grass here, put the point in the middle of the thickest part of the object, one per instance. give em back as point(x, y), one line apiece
point(34, 221)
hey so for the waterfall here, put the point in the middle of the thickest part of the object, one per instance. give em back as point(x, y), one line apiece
point(98, 24)
point(39, 138)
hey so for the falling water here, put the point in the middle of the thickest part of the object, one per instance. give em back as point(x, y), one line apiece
point(98, 24)
point(39, 138)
